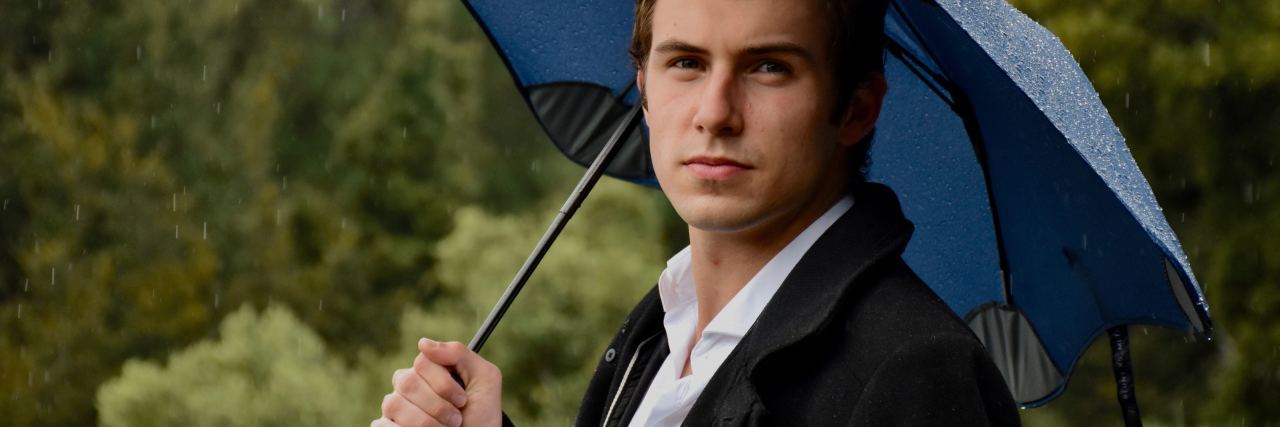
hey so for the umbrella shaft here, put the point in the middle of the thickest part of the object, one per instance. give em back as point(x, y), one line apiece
point(1120, 364)
point(588, 181)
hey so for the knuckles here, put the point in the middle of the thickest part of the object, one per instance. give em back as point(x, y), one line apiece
point(390, 404)
point(404, 382)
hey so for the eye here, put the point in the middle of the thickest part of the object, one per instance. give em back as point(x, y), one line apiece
point(686, 64)
point(772, 67)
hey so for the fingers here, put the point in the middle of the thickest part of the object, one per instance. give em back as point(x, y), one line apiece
point(404, 413)
point(440, 381)
point(474, 370)
point(423, 402)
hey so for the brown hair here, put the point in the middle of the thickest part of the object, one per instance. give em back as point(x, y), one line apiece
point(856, 29)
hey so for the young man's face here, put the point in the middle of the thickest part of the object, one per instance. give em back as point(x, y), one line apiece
point(740, 98)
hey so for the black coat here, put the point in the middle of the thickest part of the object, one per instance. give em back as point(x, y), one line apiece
point(852, 337)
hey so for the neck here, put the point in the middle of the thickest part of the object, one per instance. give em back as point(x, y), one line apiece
point(723, 262)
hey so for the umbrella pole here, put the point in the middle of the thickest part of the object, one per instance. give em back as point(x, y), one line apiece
point(629, 122)
point(1120, 364)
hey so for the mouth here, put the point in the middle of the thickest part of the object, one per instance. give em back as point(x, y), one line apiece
point(715, 168)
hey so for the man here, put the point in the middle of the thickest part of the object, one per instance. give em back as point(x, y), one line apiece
point(791, 305)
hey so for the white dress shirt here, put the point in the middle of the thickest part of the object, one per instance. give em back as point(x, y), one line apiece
point(670, 397)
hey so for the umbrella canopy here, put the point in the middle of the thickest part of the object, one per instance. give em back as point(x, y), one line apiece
point(1033, 220)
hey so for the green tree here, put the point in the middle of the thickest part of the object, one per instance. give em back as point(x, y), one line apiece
point(265, 369)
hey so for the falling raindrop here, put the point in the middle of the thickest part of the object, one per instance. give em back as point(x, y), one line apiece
point(39, 4)
point(218, 108)
point(175, 202)
point(153, 121)
point(320, 12)
point(1248, 193)
point(216, 298)
point(138, 52)
point(6, 204)
point(404, 132)
point(26, 283)
point(236, 8)
point(1211, 113)
point(1126, 100)
point(204, 232)
point(19, 310)
point(1084, 241)
point(77, 212)
point(344, 223)
point(1184, 217)
point(53, 276)
point(175, 231)
point(204, 73)
point(1205, 53)
point(322, 304)
point(344, 14)
point(284, 183)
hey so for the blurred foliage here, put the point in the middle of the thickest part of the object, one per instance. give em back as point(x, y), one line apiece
point(266, 369)
point(365, 171)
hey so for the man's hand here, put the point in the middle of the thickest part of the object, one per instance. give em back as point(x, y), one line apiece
point(427, 395)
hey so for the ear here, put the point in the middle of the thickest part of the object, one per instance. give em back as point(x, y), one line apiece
point(644, 103)
point(864, 109)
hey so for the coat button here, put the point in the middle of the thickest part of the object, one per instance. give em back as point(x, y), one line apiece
point(610, 355)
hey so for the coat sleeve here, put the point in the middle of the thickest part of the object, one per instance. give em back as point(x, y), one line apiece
point(946, 379)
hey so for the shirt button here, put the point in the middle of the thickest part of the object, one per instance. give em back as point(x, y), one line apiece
point(610, 355)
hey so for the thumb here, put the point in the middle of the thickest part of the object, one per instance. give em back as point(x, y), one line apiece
point(473, 369)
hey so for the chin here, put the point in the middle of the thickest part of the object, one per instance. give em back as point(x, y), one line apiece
point(719, 213)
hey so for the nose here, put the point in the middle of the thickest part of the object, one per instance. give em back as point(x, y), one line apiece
point(718, 113)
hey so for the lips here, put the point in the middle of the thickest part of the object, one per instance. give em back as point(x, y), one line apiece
point(715, 168)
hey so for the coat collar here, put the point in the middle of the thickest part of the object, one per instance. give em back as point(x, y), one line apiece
point(873, 231)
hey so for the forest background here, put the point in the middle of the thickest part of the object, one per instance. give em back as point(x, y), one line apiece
point(246, 213)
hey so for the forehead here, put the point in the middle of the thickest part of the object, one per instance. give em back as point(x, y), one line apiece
point(731, 24)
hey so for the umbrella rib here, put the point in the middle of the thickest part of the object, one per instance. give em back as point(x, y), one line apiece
point(962, 108)
point(917, 67)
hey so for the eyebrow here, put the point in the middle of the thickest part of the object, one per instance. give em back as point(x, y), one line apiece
point(680, 46)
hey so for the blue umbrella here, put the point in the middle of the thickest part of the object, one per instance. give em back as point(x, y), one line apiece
point(1032, 219)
